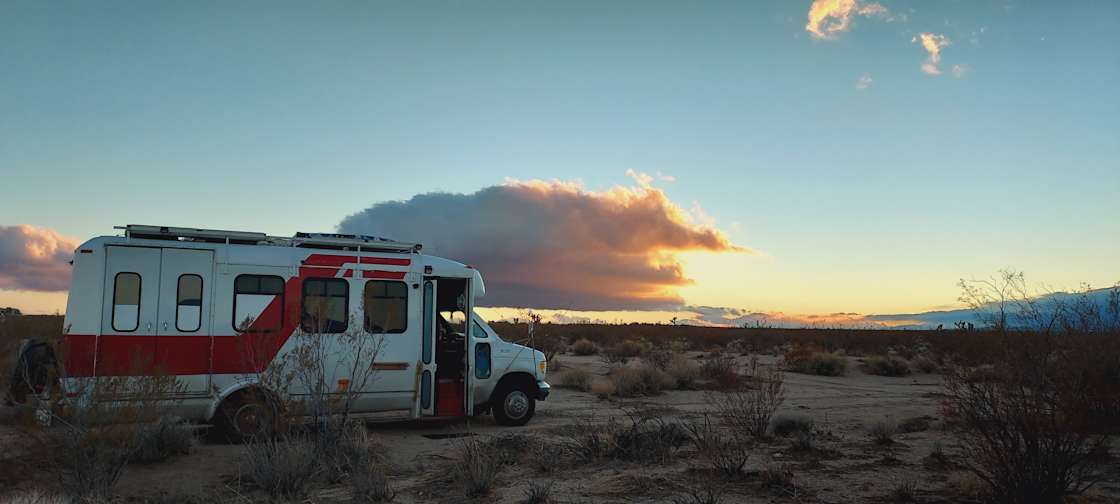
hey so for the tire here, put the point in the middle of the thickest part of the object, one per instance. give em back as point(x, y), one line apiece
point(514, 405)
point(247, 415)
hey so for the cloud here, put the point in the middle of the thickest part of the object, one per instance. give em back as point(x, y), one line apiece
point(555, 244)
point(932, 43)
point(828, 18)
point(35, 259)
point(863, 82)
point(959, 71)
point(645, 180)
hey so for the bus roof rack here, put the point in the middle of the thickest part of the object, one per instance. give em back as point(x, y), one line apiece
point(191, 234)
point(353, 240)
point(307, 240)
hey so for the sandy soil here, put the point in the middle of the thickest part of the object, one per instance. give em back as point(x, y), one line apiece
point(846, 467)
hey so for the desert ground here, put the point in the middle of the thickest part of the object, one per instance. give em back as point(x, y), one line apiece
point(845, 463)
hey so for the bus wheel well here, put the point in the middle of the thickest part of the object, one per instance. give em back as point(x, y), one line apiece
point(517, 379)
point(252, 393)
point(249, 412)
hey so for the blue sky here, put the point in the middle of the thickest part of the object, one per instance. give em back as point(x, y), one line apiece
point(281, 117)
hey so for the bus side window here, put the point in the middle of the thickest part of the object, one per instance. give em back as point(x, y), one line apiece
point(188, 304)
point(126, 302)
point(252, 295)
point(482, 360)
point(385, 305)
point(325, 305)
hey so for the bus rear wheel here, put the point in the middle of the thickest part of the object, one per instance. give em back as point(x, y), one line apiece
point(514, 405)
point(248, 415)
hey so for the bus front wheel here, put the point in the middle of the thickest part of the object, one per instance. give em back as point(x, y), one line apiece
point(514, 405)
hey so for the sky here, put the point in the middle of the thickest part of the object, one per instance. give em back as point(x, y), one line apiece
point(834, 159)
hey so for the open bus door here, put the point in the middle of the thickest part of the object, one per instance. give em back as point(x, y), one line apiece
point(468, 342)
point(425, 403)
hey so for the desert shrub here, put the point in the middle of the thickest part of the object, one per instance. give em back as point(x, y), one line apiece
point(99, 436)
point(628, 348)
point(886, 366)
point(748, 407)
point(700, 493)
point(914, 424)
point(648, 438)
point(726, 454)
point(544, 452)
point(163, 439)
point(720, 368)
point(33, 497)
point(575, 378)
point(352, 452)
point(510, 447)
point(740, 346)
point(924, 364)
point(621, 352)
point(539, 492)
point(603, 388)
point(904, 491)
point(797, 352)
point(584, 346)
point(645, 437)
point(882, 432)
point(804, 440)
point(635, 381)
point(967, 485)
point(937, 459)
point(369, 484)
point(659, 357)
point(817, 363)
point(591, 441)
point(1030, 428)
point(784, 425)
point(281, 467)
point(684, 372)
point(613, 359)
point(779, 478)
point(476, 466)
point(91, 462)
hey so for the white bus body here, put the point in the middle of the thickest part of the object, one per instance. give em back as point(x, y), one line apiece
point(216, 308)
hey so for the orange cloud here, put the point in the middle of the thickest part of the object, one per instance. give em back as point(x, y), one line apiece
point(35, 259)
point(555, 244)
point(932, 43)
point(827, 18)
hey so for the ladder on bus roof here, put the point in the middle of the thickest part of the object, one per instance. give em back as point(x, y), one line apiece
point(307, 240)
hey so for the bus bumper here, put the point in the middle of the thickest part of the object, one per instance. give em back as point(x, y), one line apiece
point(543, 388)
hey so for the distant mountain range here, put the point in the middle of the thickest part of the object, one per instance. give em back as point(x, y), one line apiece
point(947, 318)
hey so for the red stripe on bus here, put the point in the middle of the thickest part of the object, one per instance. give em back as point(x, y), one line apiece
point(391, 275)
point(248, 352)
point(388, 261)
point(146, 355)
point(328, 260)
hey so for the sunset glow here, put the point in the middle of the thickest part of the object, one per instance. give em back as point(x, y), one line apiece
point(806, 163)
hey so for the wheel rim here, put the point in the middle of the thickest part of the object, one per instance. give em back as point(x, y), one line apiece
point(249, 420)
point(516, 404)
